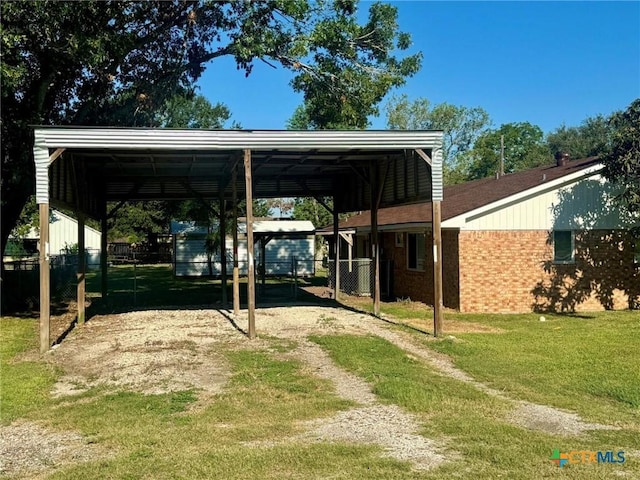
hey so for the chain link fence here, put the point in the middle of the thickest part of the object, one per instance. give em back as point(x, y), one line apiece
point(145, 282)
point(133, 282)
point(356, 276)
point(21, 280)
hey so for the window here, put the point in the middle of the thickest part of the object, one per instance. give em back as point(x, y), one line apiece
point(563, 246)
point(415, 251)
point(399, 239)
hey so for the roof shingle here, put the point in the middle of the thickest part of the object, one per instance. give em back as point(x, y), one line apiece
point(464, 197)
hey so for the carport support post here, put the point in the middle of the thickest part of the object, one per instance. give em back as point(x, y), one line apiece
point(375, 248)
point(263, 262)
point(103, 253)
point(45, 279)
point(81, 268)
point(437, 268)
point(223, 248)
point(236, 273)
point(336, 263)
point(251, 280)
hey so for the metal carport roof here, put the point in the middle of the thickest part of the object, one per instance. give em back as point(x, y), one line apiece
point(130, 163)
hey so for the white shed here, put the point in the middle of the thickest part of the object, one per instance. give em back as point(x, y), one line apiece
point(278, 242)
point(63, 235)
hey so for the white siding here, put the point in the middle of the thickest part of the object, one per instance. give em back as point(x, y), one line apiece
point(191, 259)
point(279, 254)
point(63, 232)
point(586, 204)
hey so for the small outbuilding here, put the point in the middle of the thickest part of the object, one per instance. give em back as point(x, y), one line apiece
point(63, 238)
point(284, 246)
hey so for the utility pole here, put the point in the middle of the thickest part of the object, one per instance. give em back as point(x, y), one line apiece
point(501, 171)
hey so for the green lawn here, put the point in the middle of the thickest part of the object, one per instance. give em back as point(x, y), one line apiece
point(156, 286)
point(588, 364)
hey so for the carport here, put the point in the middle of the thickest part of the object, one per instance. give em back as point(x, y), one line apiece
point(83, 168)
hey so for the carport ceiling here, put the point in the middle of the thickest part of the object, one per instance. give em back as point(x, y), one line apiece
point(88, 166)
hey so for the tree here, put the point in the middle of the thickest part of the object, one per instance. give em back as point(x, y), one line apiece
point(260, 207)
point(192, 111)
point(622, 160)
point(589, 139)
point(461, 126)
point(136, 221)
point(355, 67)
point(524, 148)
point(117, 63)
point(312, 210)
point(29, 218)
point(283, 206)
point(300, 119)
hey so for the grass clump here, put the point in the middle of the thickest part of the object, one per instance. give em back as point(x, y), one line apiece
point(24, 384)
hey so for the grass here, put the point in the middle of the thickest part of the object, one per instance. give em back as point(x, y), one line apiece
point(24, 384)
point(403, 309)
point(155, 285)
point(587, 364)
point(559, 361)
point(470, 422)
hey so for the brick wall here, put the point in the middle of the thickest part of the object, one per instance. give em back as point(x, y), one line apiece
point(512, 271)
point(418, 286)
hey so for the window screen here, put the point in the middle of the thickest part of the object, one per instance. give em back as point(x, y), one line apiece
point(415, 251)
point(563, 246)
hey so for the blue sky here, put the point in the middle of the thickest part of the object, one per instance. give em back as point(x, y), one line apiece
point(548, 63)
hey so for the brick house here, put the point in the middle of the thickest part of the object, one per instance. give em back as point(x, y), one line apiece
point(545, 239)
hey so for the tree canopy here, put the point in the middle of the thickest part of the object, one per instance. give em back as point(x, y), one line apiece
point(193, 111)
point(622, 160)
point(524, 148)
point(461, 125)
point(312, 210)
point(354, 66)
point(117, 63)
point(592, 137)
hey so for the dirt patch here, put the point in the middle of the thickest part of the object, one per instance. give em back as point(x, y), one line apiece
point(28, 448)
point(384, 425)
point(347, 385)
point(320, 292)
point(162, 351)
point(151, 352)
point(552, 420)
point(451, 326)
point(370, 423)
